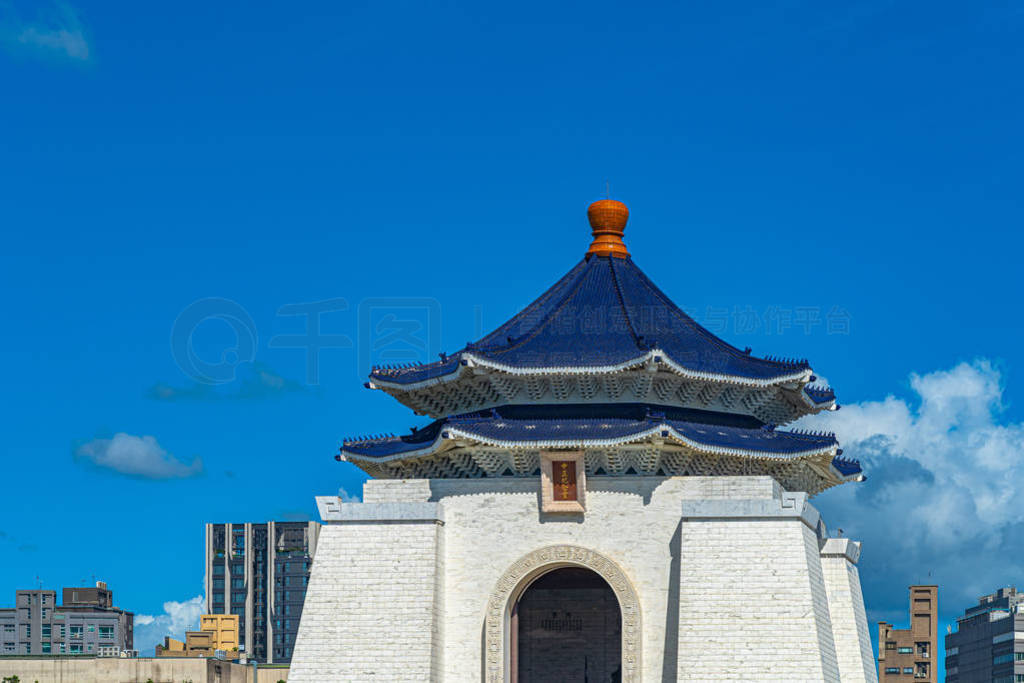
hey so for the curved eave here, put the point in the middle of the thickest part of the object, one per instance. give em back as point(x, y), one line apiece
point(815, 404)
point(658, 432)
point(654, 356)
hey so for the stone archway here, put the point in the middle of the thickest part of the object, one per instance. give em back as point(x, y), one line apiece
point(522, 573)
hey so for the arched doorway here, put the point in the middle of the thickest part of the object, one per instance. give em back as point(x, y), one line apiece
point(566, 627)
point(522, 573)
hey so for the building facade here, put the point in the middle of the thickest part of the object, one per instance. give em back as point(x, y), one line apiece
point(224, 628)
point(216, 632)
point(602, 478)
point(988, 644)
point(259, 571)
point(87, 623)
point(911, 651)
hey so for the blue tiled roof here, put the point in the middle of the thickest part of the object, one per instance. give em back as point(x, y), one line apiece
point(846, 466)
point(569, 426)
point(603, 313)
point(820, 394)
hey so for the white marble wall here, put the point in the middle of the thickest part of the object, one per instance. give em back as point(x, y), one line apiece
point(726, 569)
point(846, 603)
point(373, 609)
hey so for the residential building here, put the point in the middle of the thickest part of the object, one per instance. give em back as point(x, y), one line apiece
point(259, 571)
point(907, 652)
point(87, 623)
point(196, 644)
point(224, 628)
point(988, 644)
point(199, 643)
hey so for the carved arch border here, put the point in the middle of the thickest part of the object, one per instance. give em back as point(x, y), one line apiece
point(521, 574)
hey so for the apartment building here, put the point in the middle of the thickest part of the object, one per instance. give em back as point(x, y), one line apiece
point(906, 654)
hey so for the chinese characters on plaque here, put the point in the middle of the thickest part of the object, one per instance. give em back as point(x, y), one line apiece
point(563, 481)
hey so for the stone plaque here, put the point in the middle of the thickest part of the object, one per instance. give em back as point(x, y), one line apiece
point(563, 481)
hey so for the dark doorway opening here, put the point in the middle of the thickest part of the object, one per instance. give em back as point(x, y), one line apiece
point(567, 628)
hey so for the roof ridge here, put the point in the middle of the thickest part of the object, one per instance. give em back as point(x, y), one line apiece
point(622, 304)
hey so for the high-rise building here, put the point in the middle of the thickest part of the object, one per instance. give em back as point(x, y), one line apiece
point(905, 652)
point(259, 571)
point(87, 623)
point(988, 644)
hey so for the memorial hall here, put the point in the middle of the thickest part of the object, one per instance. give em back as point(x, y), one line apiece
point(606, 491)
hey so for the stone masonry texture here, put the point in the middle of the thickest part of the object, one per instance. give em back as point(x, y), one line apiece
point(728, 573)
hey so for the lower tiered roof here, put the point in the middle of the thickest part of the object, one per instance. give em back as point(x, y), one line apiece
point(673, 441)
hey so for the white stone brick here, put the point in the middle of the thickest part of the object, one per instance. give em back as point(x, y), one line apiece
point(740, 597)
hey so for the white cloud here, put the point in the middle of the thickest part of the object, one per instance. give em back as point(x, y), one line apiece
point(137, 456)
point(60, 34)
point(177, 618)
point(941, 495)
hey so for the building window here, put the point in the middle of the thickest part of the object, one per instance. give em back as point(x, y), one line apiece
point(106, 632)
point(1003, 659)
point(238, 583)
point(28, 648)
point(76, 648)
point(908, 669)
point(890, 645)
point(76, 632)
point(905, 650)
point(8, 628)
point(218, 570)
point(46, 631)
point(218, 584)
point(238, 570)
point(92, 628)
point(46, 648)
point(28, 630)
point(892, 669)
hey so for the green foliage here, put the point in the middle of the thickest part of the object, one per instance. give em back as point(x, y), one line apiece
point(11, 679)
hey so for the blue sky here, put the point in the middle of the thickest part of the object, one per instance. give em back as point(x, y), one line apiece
point(837, 181)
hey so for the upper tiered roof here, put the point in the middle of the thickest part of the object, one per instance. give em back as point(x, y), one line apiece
point(604, 317)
